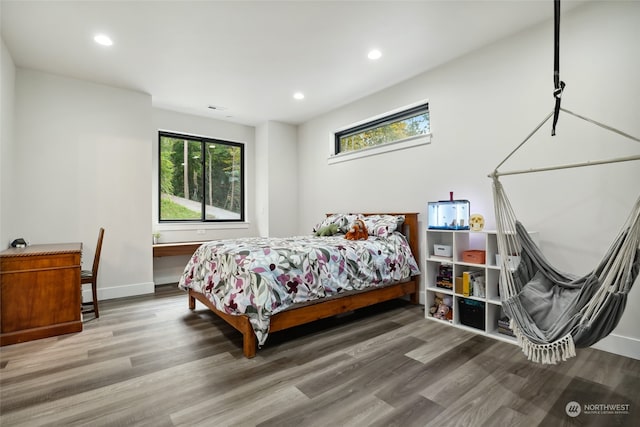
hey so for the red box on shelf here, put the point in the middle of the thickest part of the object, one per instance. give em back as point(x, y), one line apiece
point(474, 256)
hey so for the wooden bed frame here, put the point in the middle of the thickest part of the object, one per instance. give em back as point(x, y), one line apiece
point(320, 309)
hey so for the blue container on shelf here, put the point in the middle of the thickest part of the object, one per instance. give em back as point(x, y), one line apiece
point(449, 214)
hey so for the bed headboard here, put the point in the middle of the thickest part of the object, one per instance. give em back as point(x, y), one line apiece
point(409, 229)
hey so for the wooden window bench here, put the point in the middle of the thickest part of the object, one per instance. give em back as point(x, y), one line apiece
point(171, 249)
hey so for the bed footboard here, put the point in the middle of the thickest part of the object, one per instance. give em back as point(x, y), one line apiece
point(309, 313)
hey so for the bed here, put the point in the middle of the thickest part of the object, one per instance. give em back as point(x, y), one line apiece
point(264, 285)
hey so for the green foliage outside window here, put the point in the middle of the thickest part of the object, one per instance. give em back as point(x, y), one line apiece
point(397, 127)
point(200, 179)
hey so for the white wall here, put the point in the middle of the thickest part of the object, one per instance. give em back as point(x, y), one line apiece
point(270, 177)
point(283, 179)
point(7, 141)
point(169, 269)
point(482, 106)
point(277, 177)
point(82, 160)
point(262, 179)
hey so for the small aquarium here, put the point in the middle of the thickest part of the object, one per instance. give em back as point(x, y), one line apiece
point(449, 215)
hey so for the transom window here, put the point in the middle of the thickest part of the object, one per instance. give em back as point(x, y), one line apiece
point(201, 179)
point(401, 126)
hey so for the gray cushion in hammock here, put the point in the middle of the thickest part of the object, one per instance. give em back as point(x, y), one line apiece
point(549, 300)
point(545, 302)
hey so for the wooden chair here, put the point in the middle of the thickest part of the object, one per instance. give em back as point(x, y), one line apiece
point(91, 276)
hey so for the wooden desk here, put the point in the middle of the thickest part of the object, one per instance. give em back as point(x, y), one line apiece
point(40, 292)
point(171, 249)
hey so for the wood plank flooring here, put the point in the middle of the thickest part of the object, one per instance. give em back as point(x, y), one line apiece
point(150, 361)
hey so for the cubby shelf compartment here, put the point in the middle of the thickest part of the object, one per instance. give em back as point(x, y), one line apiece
point(460, 241)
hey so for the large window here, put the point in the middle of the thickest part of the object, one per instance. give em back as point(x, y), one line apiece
point(201, 179)
point(401, 126)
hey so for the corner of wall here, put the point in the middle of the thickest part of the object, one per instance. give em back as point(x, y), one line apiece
point(7, 101)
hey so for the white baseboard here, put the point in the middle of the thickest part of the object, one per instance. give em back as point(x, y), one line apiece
point(120, 291)
point(621, 345)
point(165, 280)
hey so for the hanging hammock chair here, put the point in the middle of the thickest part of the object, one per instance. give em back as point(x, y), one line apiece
point(551, 312)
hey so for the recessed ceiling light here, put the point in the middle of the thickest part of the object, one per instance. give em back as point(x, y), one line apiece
point(374, 54)
point(103, 40)
point(298, 95)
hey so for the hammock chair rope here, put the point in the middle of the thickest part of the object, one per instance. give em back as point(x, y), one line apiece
point(589, 163)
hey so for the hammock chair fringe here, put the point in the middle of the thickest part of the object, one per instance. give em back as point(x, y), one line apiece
point(548, 354)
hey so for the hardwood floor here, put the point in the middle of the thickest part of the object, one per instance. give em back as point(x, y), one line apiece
point(150, 361)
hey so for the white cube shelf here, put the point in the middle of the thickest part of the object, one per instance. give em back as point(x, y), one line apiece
point(488, 305)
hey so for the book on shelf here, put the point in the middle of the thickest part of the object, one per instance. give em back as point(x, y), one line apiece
point(444, 283)
point(506, 331)
point(504, 322)
point(478, 285)
point(444, 278)
point(473, 284)
point(503, 326)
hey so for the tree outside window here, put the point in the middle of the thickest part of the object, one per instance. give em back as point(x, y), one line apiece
point(201, 179)
point(393, 128)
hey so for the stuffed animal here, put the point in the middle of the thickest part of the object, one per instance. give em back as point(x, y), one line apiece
point(437, 300)
point(442, 312)
point(328, 230)
point(358, 231)
point(441, 308)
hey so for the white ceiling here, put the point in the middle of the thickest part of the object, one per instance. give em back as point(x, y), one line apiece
point(251, 56)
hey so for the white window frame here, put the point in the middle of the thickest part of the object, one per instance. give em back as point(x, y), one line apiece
point(402, 144)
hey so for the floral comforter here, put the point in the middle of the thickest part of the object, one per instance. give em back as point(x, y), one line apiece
point(259, 277)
